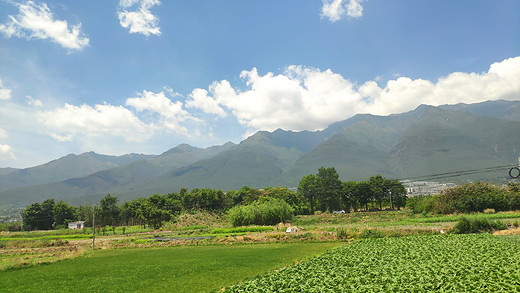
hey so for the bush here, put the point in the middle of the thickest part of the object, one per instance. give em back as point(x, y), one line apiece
point(371, 234)
point(269, 212)
point(477, 225)
point(421, 204)
point(467, 198)
point(341, 233)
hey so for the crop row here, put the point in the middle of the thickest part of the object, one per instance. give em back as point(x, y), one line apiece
point(445, 263)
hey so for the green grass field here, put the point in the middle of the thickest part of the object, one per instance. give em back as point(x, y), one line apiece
point(165, 269)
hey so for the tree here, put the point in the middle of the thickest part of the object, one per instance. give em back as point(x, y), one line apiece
point(130, 212)
point(246, 195)
point(380, 188)
point(32, 216)
point(348, 195)
point(307, 189)
point(47, 220)
point(329, 188)
point(397, 194)
point(63, 213)
point(108, 211)
point(362, 193)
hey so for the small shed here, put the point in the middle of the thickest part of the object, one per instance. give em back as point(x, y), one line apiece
point(291, 229)
point(77, 225)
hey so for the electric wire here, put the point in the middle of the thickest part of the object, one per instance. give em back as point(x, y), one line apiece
point(458, 173)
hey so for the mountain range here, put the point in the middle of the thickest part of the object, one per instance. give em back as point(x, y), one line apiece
point(428, 140)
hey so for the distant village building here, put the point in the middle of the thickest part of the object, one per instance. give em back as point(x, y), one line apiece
point(77, 225)
point(414, 188)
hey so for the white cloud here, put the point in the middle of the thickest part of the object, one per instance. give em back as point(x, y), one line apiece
point(172, 113)
point(70, 121)
point(3, 134)
point(34, 102)
point(5, 94)
point(37, 21)
point(6, 152)
point(354, 8)
point(201, 100)
point(334, 10)
point(309, 99)
point(140, 19)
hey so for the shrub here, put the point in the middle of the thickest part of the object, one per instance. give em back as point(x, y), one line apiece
point(489, 211)
point(269, 212)
point(421, 204)
point(371, 234)
point(477, 225)
point(341, 233)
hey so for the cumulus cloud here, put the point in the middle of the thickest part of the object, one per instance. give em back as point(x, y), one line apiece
point(304, 98)
point(135, 15)
point(334, 10)
point(172, 113)
point(67, 122)
point(5, 94)
point(37, 22)
point(201, 100)
point(6, 152)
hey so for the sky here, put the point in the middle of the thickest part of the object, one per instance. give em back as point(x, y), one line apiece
point(142, 76)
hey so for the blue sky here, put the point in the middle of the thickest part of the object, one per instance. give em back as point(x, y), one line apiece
point(143, 76)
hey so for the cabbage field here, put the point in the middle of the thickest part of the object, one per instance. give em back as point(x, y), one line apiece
point(444, 263)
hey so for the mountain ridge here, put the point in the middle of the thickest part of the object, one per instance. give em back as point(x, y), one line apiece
point(423, 141)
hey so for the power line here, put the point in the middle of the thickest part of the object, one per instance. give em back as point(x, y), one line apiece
point(457, 173)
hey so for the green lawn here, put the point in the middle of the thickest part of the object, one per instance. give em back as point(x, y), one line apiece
point(166, 269)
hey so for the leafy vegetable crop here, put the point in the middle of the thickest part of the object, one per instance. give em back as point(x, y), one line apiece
point(446, 263)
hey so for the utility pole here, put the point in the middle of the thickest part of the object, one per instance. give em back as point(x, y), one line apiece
point(93, 226)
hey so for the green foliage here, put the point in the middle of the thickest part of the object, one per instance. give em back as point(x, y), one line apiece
point(39, 216)
point(269, 212)
point(307, 189)
point(435, 263)
point(467, 198)
point(108, 212)
point(476, 225)
point(370, 233)
point(63, 213)
point(241, 230)
point(329, 188)
point(421, 204)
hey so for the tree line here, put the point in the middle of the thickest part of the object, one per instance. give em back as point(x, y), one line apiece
point(326, 192)
point(321, 192)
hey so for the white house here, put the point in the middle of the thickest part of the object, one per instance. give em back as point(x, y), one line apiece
point(77, 225)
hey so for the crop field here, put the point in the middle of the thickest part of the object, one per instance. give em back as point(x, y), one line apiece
point(164, 269)
point(444, 263)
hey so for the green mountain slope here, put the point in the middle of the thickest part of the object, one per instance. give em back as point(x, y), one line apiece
point(116, 180)
point(70, 166)
point(428, 140)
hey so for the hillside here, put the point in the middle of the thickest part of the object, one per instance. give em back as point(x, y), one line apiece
point(428, 140)
point(70, 166)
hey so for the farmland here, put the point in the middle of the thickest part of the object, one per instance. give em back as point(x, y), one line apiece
point(364, 251)
point(160, 269)
point(449, 263)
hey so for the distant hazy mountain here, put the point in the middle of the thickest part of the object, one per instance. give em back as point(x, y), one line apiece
point(428, 140)
point(119, 179)
point(70, 166)
point(4, 171)
point(508, 110)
